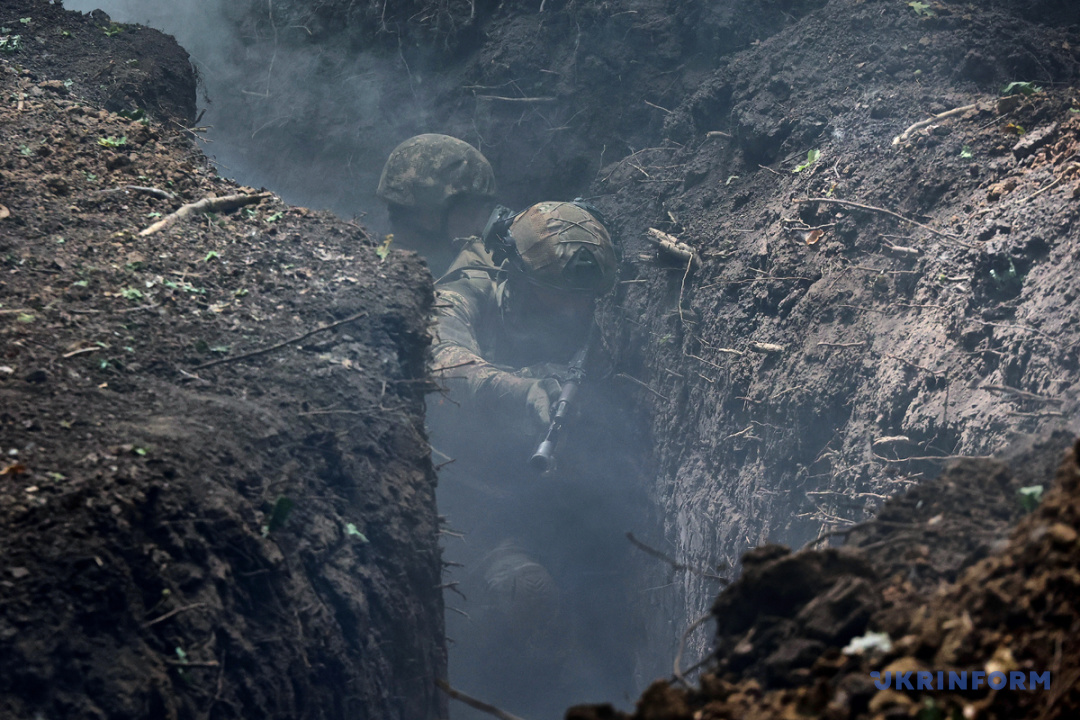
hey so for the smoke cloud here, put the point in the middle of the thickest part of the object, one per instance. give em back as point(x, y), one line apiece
point(311, 118)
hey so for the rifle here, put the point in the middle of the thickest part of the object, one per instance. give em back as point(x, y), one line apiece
point(544, 457)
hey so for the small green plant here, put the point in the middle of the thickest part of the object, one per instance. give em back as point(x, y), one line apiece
point(137, 114)
point(9, 43)
point(25, 318)
point(282, 507)
point(275, 217)
point(68, 83)
point(921, 9)
point(1007, 280)
point(240, 293)
point(112, 30)
point(811, 158)
point(730, 178)
point(1022, 88)
point(131, 293)
point(25, 21)
point(65, 33)
point(112, 142)
point(213, 254)
point(153, 214)
point(25, 151)
point(1030, 497)
point(219, 349)
point(383, 250)
point(965, 152)
point(351, 531)
point(90, 176)
point(185, 286)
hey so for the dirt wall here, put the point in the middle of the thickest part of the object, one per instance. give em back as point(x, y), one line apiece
point(215, 492)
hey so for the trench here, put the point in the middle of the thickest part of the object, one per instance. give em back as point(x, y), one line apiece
point(725, 448)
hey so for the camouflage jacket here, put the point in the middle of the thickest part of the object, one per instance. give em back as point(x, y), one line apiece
point(487, 359)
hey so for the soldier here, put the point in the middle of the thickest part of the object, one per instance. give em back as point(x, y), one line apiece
point(505, 333)
point(503, 329)
point(438, 189)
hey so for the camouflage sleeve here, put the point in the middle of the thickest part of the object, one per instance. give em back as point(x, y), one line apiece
point(466, 316)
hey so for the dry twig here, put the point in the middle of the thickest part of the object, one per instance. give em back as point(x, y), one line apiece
point(659, 555)
point(474, 703)
point(874, 208)
point(673, 246)
point(677, 665)
point(902, 137)
point(501, 98)
point(210, 204)
point(173, 612)
point(278, 346)
point(624, 376)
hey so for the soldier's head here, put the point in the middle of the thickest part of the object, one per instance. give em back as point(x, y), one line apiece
point(559, 259)
point(436, 188)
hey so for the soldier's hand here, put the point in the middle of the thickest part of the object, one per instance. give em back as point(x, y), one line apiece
point(539, 399)
point(543, 370)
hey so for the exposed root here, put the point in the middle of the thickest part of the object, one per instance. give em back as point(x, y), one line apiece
point(902, 137)
point(474, 703)
point(280, 345)
point(874, 208)
point(210, 204)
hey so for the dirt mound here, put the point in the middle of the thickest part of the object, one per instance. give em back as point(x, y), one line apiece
point(782, 625)
point(215, 489)
point(123, 68)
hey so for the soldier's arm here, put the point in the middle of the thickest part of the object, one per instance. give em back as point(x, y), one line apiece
point(459, 358)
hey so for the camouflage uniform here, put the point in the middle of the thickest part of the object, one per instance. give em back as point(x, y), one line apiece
point(494, 353)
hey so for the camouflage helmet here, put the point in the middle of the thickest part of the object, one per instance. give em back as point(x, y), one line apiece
point(426, 171)
point(564, 247)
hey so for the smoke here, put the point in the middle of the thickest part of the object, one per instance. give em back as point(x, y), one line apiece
point(312, 118)
point(312, 114)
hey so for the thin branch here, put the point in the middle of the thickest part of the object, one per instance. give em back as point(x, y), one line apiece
point(902, 137)
point(659, 555)
point(173, 612)
point(624, 376)
point(210, 204)
point(1023, 394)
point(677, 665)
point(156, 192)
point(501, 98)
point(280, 345)
point(873, 208)
point(474, 703)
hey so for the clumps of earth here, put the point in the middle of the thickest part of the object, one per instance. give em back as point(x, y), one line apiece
point(943, 579)
point(216, 492)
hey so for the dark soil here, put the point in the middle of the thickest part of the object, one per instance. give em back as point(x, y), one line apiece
point(122, 68)
point(782, 625)
point(890, 347)
point(822, 358)
point(150, 565)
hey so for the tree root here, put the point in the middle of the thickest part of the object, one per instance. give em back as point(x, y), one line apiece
point(210, 204)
